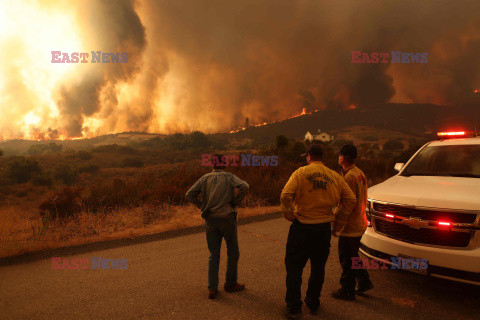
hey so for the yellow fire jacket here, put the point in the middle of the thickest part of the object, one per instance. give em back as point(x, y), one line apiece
point(312, 192)
point(357, 221)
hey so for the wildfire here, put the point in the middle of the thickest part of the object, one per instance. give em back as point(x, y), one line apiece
point(304, 111)
point(476, 91)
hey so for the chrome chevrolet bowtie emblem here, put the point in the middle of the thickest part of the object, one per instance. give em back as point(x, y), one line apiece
point(415, 223)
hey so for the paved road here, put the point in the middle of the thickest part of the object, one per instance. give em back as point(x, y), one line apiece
point(166, 279)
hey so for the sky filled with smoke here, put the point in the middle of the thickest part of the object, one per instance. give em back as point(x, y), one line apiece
point(208, 65)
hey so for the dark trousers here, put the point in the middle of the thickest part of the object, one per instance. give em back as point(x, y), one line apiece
point(348, 249)
point(306, 241)
point(218, 229)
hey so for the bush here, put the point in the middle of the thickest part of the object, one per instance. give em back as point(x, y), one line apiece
point(114, 148)
point(393, 145)
point(38, 149)
point(21, 169)
point(90, 168)
point(84, 155)
point(63, 204)
point(132, 162)
point(42, 179)
point(341, 142)
point(371, 138)
point(295, 151)
point(65, 173)
point(281, 142)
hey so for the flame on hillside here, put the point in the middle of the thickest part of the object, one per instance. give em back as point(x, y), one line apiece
point(304, 112)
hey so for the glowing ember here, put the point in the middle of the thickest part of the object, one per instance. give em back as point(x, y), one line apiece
point(476, 91)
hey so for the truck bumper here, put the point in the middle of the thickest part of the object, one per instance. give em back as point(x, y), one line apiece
point(454, 264)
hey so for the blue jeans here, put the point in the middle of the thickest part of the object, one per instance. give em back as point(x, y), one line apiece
point(217, 229)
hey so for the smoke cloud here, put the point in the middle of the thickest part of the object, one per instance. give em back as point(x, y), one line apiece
point(208, 65)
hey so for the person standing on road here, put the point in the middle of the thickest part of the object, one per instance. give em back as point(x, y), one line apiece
point(350, 236)
point(218, 204)
point(307, 200)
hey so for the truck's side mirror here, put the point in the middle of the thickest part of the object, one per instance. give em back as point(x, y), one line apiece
point(399, 166)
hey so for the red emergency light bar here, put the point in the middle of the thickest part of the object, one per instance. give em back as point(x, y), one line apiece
point(452, 134)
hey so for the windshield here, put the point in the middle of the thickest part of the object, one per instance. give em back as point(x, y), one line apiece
point(451, 160)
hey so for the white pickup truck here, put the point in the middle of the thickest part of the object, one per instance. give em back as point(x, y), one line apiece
point(431, 209)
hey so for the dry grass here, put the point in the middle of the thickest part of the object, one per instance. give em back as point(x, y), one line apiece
point(25, 231)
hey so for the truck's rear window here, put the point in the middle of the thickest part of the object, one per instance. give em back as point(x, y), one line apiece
point(452, 160)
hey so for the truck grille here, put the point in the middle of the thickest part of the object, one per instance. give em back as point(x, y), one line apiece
point(454, 217)
point(424, 235)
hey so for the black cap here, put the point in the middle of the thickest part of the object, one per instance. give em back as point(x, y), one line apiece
point(349, 151)
point(314, 150)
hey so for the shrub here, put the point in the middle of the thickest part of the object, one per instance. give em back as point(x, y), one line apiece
point(371, 138)
point(63, 204)
point(65, 173)
point(84, 155)
point(341, 142)
point(295, 151)
point(89, 167)
point(132, 162)
point(38, 149)
point(21, 169)
point(42, 179)
point(393, 145)
point(281, 142)
point(114, 148)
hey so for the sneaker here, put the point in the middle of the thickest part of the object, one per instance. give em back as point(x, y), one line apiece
point(234, 287)
point(343, 295)
point(365, 287)
point(289, 314)
point(212, 294)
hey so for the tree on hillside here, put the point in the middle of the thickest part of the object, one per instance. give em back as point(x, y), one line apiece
point(21, 169)
point(199, 139)
point(295, 151)
point(38, 149)
point(281, 142)
point(393, 145)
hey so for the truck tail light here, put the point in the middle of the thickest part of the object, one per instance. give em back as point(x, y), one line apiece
point(444, 223)
point(391, 216)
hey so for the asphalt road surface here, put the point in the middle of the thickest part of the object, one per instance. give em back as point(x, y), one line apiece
point(167, 279)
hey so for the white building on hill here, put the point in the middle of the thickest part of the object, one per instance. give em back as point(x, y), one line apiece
point(320, 136)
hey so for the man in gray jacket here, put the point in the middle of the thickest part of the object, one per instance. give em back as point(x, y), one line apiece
point(218, 204)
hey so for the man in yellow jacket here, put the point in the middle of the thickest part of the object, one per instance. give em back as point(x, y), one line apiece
point(308, 200)
point(350, 236)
